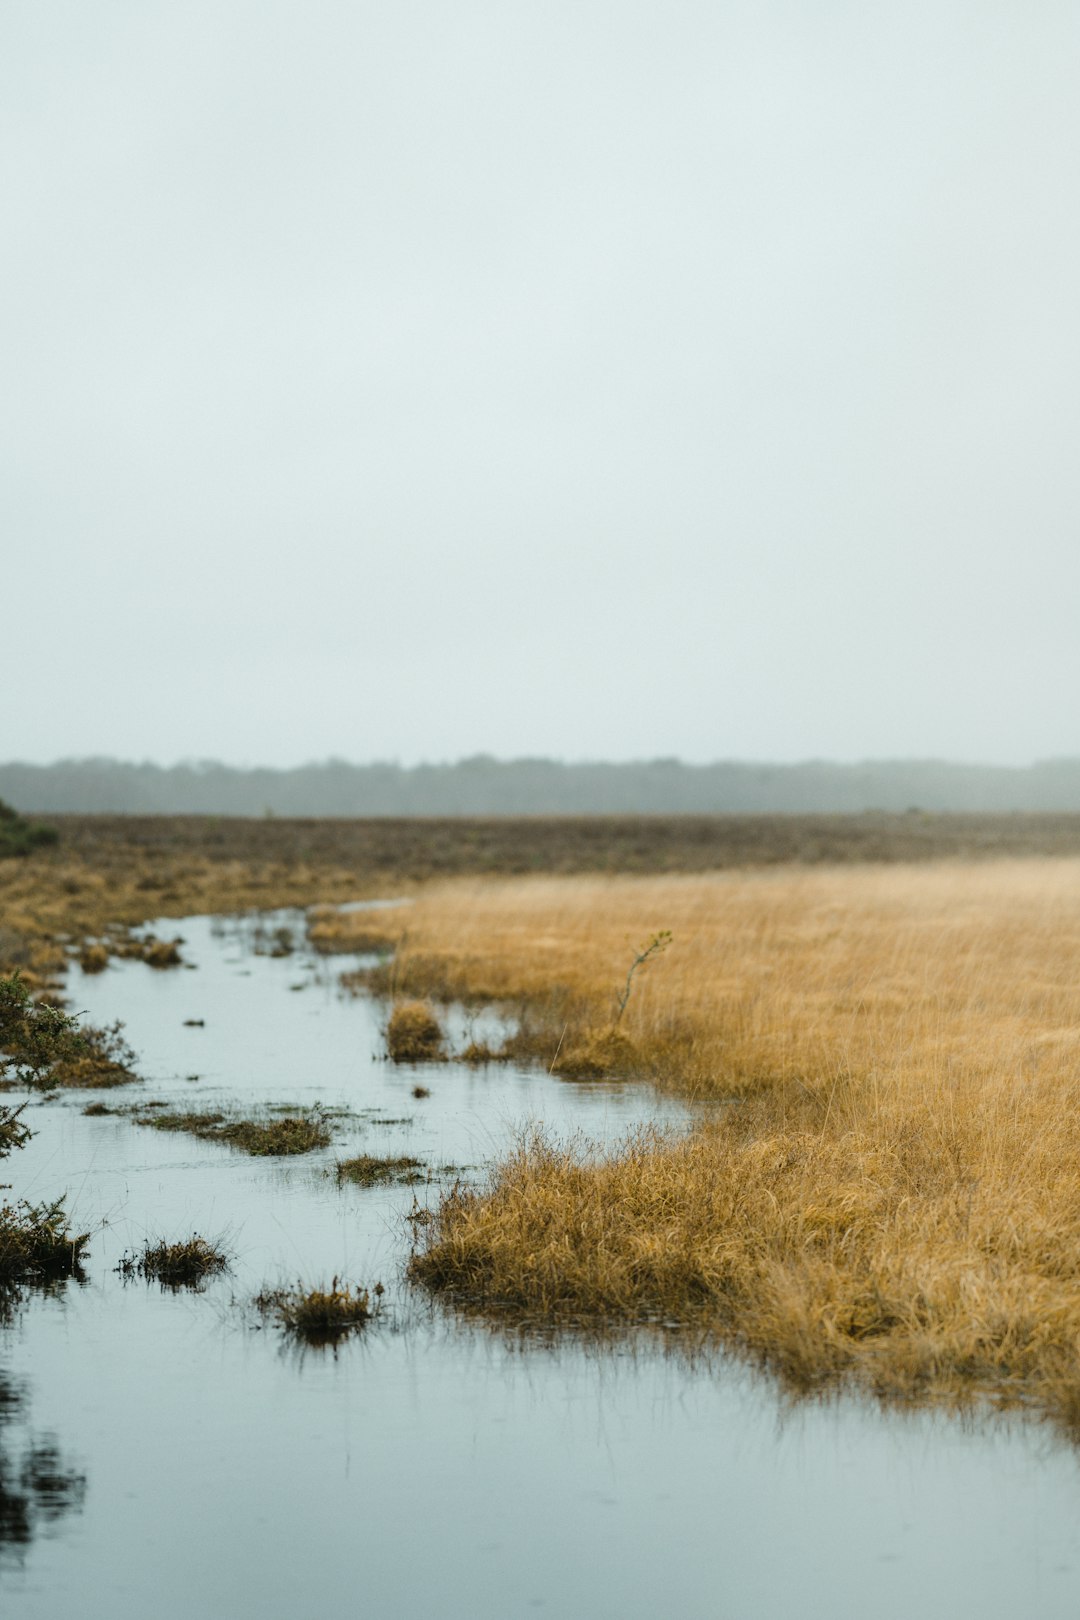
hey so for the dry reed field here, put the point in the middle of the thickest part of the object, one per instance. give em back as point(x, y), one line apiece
point(891, 1191)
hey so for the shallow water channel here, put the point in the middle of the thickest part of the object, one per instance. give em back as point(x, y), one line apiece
point(185, 1461)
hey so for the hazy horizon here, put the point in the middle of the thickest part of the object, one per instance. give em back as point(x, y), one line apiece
point(313, 762)
point(485, 786)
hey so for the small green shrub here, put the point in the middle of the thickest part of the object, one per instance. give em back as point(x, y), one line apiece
point(13, 1133)
point(102, 1058)
point(33, 1035)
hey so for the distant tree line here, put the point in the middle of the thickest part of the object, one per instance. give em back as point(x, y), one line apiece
point(485, 786)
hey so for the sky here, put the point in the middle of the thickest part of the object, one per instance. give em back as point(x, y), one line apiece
point(599, 379)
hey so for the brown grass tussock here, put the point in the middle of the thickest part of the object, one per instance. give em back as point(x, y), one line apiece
point(413, 1034)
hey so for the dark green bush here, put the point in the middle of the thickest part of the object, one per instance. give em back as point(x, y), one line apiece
point(36, 1243)
point(19, 836)
point(33, 1036)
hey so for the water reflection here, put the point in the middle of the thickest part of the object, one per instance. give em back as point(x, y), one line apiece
point(38, 1486)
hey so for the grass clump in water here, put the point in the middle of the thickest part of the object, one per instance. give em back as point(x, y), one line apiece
point(162, 953)
point(320, 1315)
point(413, 1034)
point(368, 1170)
point(94, 957)
point(176, 1265)
point(275, 1138)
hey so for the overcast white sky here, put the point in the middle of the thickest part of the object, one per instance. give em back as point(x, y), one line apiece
point(598, 379)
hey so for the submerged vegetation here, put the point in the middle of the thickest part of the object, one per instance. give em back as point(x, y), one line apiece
point(274, 1138)
point(367, 1170)
point(320, 1315)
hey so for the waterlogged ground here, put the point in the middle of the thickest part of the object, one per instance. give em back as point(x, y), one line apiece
point(164, 1455)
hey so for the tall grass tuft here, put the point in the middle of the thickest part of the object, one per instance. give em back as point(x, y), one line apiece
point(319, 1315)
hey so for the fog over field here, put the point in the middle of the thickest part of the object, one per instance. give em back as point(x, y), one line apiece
point(596, 380)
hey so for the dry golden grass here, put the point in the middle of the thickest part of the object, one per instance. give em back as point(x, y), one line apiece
point(811, 976)
point(895, 1195)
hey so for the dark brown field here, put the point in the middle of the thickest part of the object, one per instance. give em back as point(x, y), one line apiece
point(417, 849)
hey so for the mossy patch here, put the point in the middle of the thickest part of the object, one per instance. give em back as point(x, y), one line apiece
point(274, 1138)
point(369, 1170)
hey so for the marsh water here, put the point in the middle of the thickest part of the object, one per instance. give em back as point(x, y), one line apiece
point(168, 1455)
